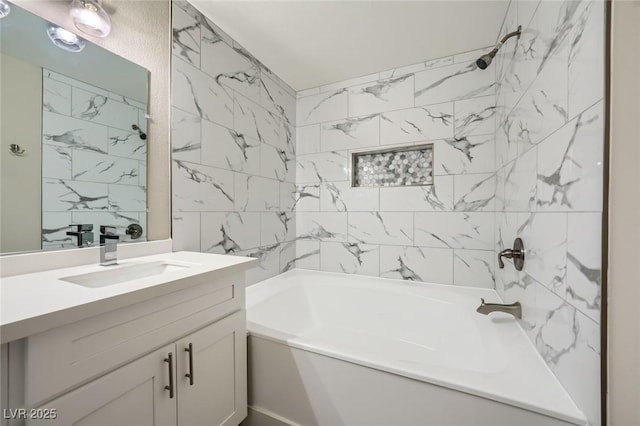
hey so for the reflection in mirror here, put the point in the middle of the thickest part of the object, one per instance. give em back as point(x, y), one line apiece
point(73, 139)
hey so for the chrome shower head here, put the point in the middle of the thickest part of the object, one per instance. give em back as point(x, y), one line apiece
point(485, 60)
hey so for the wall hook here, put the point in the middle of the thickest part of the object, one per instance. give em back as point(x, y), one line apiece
point(15, 149)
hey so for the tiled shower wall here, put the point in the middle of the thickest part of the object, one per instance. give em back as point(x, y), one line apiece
point(441, 233)
point(94, 166)
point(549, 162)
point(233, 143)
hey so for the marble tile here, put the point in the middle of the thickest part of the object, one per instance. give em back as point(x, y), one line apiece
point(74, 133)
point(276, 163)
point(276, 99)
point(545, 239)
point(455, 230)
point(60, 195)
point(307, 198)
point(350, 258)
point(268, 263)
point(586, 57)
point(95, 167)
point(382, 95)
point(507, 136)
point(274, 227)
point(471, 55)
point(199, 94)
point(255, 122)
point(201, 188)
point(127, 144)
point(226, 149)
point(520, 183)
point(307, 254)
point(256, 194)
point(381, 228)
point(472, 154)
point(417, 124)
point(322, 107)
point(324, 167)
point(228, 233)
point(321, 226)
point(332, 87)
point(584, 263)
point(96, 108)
point(288, 193)
point(341, 197)
point(308, 139)
point(473, 268)
point(56, 161)
point(570, 165)
point(185, 136)
point(453, 82)
point(413, 68)
point(54, 231)
point(185, 36)
point(526, 9)
point(474, 192)
point(438, 197)
point(56, 96)
point(127, 198)
point(417, 264)
point(351, 133)
point(475, 116)
point(231, 69)
point(185, 231)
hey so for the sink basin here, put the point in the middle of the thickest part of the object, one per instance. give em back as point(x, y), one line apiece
point(126, 272)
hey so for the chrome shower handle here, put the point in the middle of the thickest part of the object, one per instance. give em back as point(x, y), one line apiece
point(516, 253)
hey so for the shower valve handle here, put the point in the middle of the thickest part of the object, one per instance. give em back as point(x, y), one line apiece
point(516, 253)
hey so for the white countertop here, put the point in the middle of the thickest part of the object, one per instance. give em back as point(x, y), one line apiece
point(32, 303)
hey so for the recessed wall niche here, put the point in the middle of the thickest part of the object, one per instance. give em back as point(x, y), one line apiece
point(404, 166)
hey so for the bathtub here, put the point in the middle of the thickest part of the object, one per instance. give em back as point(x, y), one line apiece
point(336, 349)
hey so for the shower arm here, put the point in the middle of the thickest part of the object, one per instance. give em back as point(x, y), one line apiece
point(505, 38)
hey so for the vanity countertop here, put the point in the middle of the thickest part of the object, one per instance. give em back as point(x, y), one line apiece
point(32, 303)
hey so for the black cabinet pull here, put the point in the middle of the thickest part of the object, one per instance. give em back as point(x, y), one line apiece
point(190, 373)
point(169, 360)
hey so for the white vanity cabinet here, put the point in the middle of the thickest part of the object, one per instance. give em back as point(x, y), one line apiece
point(141, 393)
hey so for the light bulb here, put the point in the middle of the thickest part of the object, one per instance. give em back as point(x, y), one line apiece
point(65, 40)
point(90, 18)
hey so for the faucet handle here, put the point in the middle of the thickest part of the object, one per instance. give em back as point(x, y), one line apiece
point(517, 254)
point(108, 230)
point(82, 227)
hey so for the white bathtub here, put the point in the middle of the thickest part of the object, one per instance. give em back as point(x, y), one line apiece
point(335, 349)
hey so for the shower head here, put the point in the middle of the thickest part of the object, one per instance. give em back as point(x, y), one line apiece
point(485, 60)
point(142, 134)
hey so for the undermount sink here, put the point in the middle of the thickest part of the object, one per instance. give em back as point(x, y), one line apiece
point(124, 273)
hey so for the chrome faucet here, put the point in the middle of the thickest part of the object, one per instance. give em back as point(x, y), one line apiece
point(514, 309)
point(108, 245)
point(83, 234)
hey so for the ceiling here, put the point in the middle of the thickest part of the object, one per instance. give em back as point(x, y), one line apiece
point(312, 43)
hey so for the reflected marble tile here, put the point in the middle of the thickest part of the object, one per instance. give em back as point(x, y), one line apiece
point(54, 231)
point(56, 161)
point(472, 154)
point(256, 194)
point(381, 228)
point(94, 167)
point(227, 149)
point(56, 96)
point(74, 133)
point(382, 95)
point(453, 82)
point(185, 228)
point(127, 144)
point(185, 136)
point(475, 116)
point(65, 195)
point(201, 188)
point(438, 197)
point(324, 167)
point(228, 233)
point(97, 108)
point(322, 107)
point(417, 124)
point(127, 198)
point(350, 258)
point(455, 230)
point(417, 264)
point(351, 133)
point(473, 268)
point(321, 226)
point(340, 196)
point(474, 192)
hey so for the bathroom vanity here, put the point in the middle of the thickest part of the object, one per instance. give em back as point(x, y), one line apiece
point(156, 340)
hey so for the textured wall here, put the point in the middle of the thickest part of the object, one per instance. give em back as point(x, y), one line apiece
point(233, 149)
point(141, 33)
point(441, 233)
point(549, 158)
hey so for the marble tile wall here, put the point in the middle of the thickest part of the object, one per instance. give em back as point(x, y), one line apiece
point(93, 162)
point(442, 233)
point(233, 143)
point(549, 162)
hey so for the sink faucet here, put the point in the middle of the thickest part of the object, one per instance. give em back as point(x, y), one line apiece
point(514, 309)
point(108, 245)
point(83, 234)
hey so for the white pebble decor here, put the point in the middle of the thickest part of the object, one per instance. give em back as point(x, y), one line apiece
point(408, 166)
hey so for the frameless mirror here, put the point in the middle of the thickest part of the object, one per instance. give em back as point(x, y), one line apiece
point(73, 145)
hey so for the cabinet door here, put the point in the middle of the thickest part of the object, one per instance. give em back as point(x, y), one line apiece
point(218, 395)
point(131, 395)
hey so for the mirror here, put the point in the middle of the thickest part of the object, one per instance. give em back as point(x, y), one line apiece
point(73, 143)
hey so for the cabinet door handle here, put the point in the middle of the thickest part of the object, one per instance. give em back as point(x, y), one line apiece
point(190, 373)
point(169, 360)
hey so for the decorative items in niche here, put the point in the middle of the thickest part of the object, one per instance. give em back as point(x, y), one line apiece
point(406, 166)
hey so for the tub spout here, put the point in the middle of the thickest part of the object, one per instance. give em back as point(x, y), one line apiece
point(514, 309)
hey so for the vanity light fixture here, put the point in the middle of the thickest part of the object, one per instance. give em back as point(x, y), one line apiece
point(5, 9)
point(90, 18)
point(65, 40)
